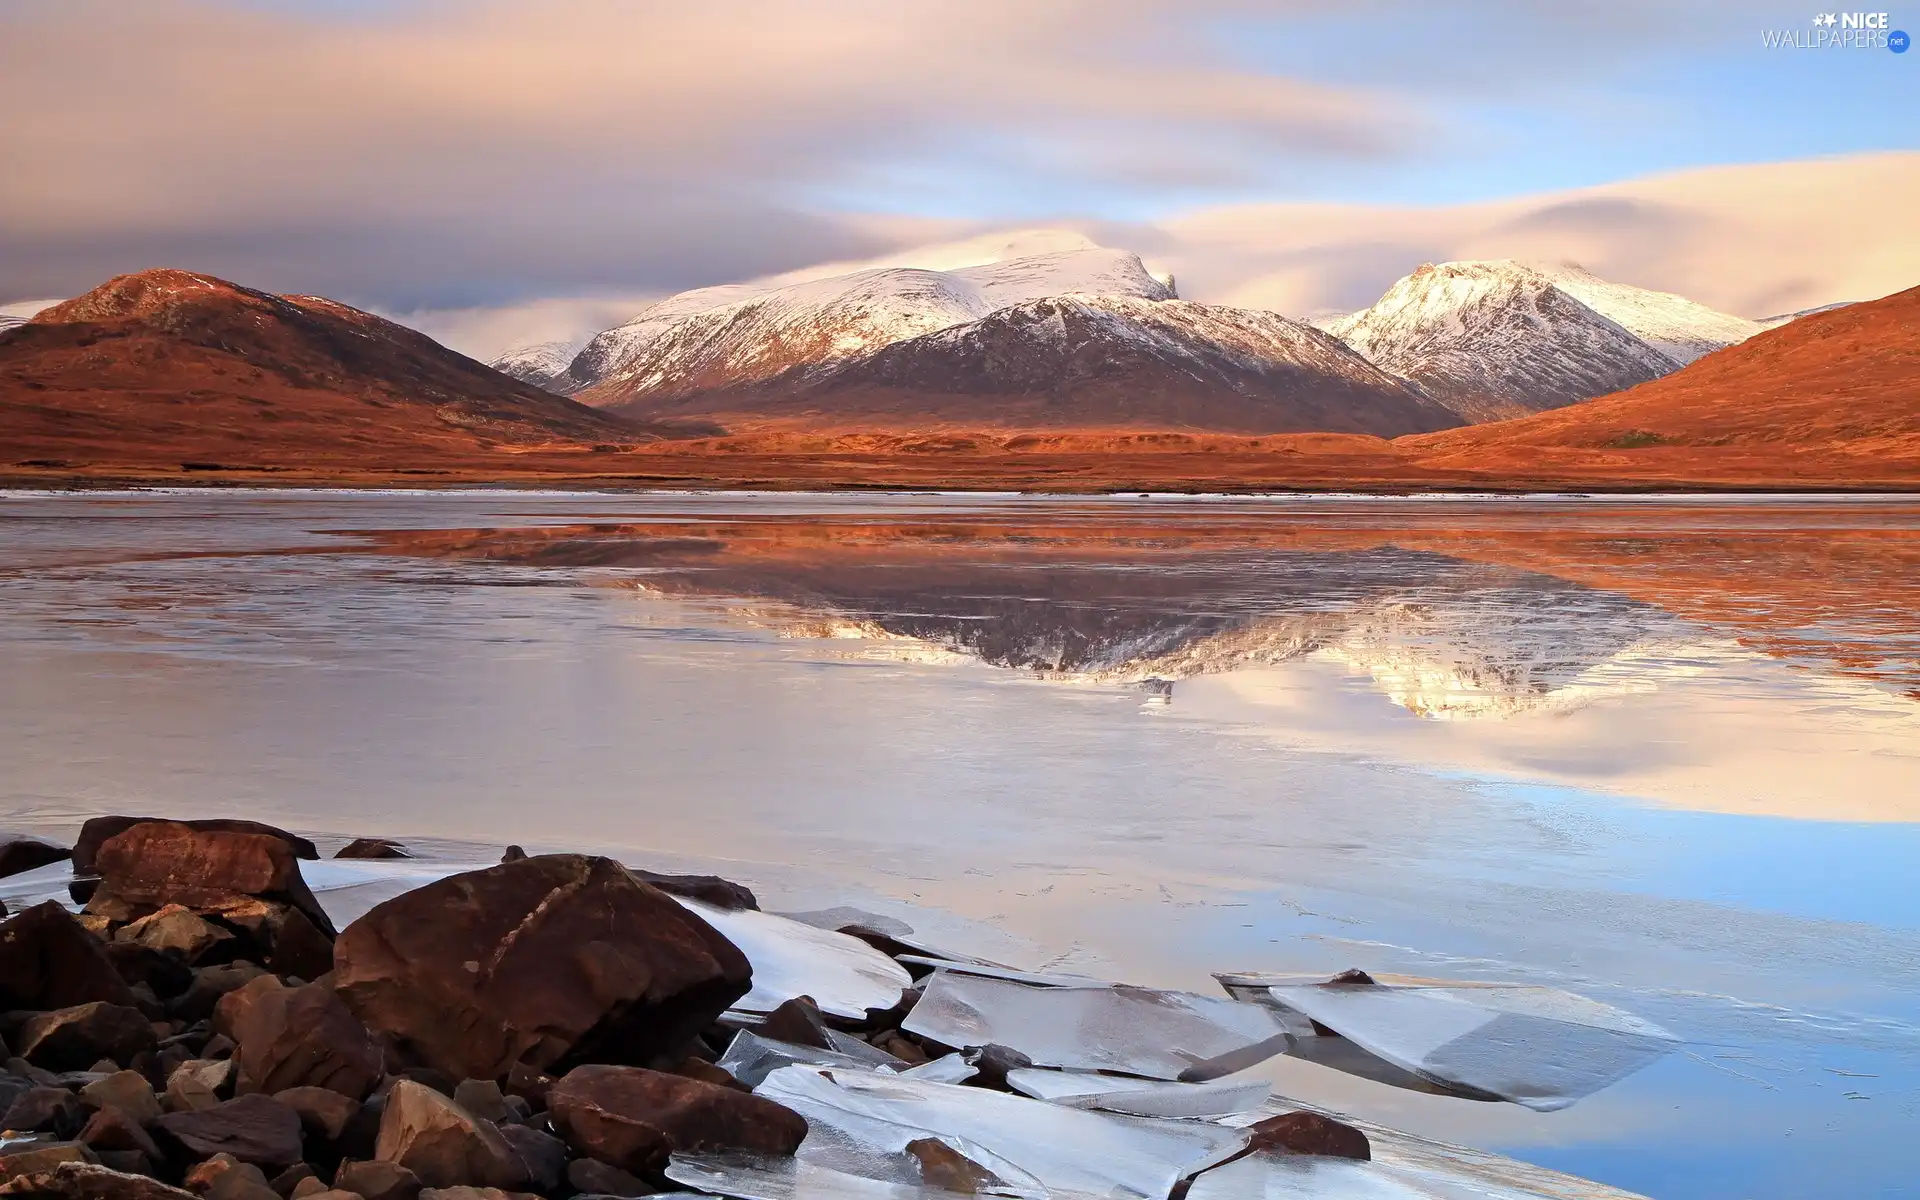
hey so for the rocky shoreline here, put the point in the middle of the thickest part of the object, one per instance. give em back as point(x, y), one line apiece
point(563, 1025)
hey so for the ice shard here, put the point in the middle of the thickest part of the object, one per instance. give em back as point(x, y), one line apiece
point(863, 1122)
point(1139, 1097)
point(1134, 1031)
point(843, 974)
point(750, 1058)
point(1534, 1046)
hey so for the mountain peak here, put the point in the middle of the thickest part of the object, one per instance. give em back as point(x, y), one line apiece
point(146, 294)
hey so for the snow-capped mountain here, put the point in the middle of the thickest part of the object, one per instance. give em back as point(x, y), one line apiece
point(544, 364)
point(1090, 361)
point(1674, 325)
point(1497, 339)
point(1774, 322)
point(740, 334)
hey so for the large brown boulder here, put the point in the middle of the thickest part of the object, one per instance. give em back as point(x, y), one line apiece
point(85, 1181)
point(1306, 1132)
point(299, 1037)
point(633, 1118)
point(19, 853)
point(157, 863)
point(442, 1143)
point(47, 960)
point(97, 832)
point(254, 1129)
point(546, 961)
point(73, 1039)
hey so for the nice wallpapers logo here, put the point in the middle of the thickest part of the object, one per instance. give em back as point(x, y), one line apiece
point(1841, 31)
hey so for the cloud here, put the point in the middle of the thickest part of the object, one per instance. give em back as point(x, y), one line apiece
point(441, 153)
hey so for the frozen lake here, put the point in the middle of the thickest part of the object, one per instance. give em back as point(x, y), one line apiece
point(1662, 752)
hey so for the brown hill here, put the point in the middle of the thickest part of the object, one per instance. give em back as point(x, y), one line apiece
point(1834, 386)
point(172, 367)
point(1082, 361)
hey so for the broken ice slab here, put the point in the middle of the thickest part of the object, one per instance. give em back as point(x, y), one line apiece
point(750, 1058)
point(948, 1068)
point(1139, 1097)
point(862, 1122)
point(1534, 1046)
point(844, 975)
point(760, 1177)
point(347, 887)
point(996, 971)
point(1112, 1027)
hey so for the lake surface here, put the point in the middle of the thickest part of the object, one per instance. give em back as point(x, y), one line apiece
point(1662, 752)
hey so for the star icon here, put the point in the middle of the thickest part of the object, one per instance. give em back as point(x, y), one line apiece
point(1827, 19)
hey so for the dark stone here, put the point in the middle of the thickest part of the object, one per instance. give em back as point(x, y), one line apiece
point(376, 1180)
point(1352, 976)
point(86, 1181)
point(434, 1078)
point(513, 854)
point(708, 889)
point(113, 1129)
point(992, 1062)
point(42, 1157)
point(284, 938)
point(300, 1037)
point(542, 1156)
point(594, 1178)
point(481, 1097)
point(209, 985)
point(706, 1072)
point(48, 961)
point(633, 1118)
point(224, 1177)
point(127, 1162)
point(177, 932)
point(373, 848)
point(442, 1143)
point(71, 1039)
point(529, 1084)
point(52, 1110)
point(902, 1047)
point(583, 962)
point(1309, 1133)
point(254, 1129)
point(19, 853)
point(941, 1166)
point(798, 1022)
point(166, 976)
point(324, 1113)
point(100, 830)
point(156, 863)
point(292, 1177)
point(128, 1091)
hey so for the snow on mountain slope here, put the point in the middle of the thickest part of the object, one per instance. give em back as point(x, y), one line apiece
point(1774, 322)
point(1497, 339)
point(9, 321)
point(1673, 325)
point(1084, 360)
point(738, 334)
point(544, 365)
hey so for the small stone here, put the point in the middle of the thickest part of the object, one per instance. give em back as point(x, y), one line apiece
point(293, 1177)
point(197, 1084)
point(68, 1039)
point(20, 852)
point(209, 985)
point(324, 1113)
point(941, 1166)
point(377, 1180)
point(992, 1062)
point(465, 1192)
point(127, 1091)
point(85, 1181)
point(224, 1177)
point(543, 1157)
point(254, 1129)
point(112, 1129)
point(308, 1187)
point(513, 854)
point(52, 1110)
point(706, 1072)
point(33, 1160)
point(127, 1162)
point(797, 1021)
point(299, 1037)
point(900, 1046)
point(634, 1118)
point(708, 889)
point(442, 1143)
point(371, 847)
point(1309, 1133)
point(594, 1178)
point(482, 1098)
point(177, 931)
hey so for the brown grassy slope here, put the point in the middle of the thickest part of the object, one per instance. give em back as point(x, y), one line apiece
point(168, 366)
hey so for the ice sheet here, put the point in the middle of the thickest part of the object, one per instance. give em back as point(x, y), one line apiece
point(1139, 1097)
point(1135, 1031)
point(760, 1178)
point(868, 1118)
point(948, 1068)
point(1302, 1177)
point(750, 1058)
point(1534, 1046)
point(844, 975)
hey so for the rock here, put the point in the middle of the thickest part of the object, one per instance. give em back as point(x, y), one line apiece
point(127, 1091)
point(177, 931)
point(209, 985)
point(529, 1084)
point(127, 1162)
point(48, 961)
point(157, 863)
point(941, 1166)
point(324, 1113)
point(513, 854)
point(706, 1072)
point(377, 1180)
point(162, 974)
point(1309, 1133)
point(442, 1143)
point(992, 1062)
point(326, 1193)
point(300, 1037)
point(582, 962)
point(797, 1021)
point(197, 1084)
point(284, 937)
point(474, 1193)
point(372, 848)
point(633, 1118)
point(33, 1160)
point(709, 889)
point(224, 1177)
point(483, 1098)
point(99, 830)
point(85, 1181)
point(112, 1129)
point(293, 1177)
point(307, 1187)
point(594, 1178)
point(235, 1005)
point(52, 1110)
point(902, 1047)
point(543, 1157)
point(253, 1129)
point(69, 1039)
point(19, 852)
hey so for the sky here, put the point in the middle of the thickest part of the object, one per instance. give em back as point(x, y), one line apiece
point(492, 170)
